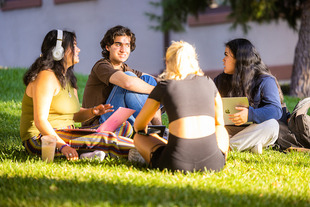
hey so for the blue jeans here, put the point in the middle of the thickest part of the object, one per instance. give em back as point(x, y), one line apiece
point(120, 97)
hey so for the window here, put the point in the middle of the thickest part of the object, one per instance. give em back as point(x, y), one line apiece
point(20, 4)
point(211, 16)
point(67, 1)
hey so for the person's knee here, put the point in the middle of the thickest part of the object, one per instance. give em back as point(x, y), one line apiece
point(130, 73)
point(149, 79)
point(138, 141)
point(271, 125)
point(271, 130)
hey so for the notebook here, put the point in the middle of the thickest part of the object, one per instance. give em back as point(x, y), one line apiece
point(229, 104)
point(111, 124)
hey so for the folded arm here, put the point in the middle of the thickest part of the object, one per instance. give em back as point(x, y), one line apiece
point(268, 104)
point(130, 83)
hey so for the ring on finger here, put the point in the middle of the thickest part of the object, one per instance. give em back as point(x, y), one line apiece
point(70, 154)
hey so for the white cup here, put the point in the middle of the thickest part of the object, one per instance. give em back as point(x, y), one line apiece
point(48, 148)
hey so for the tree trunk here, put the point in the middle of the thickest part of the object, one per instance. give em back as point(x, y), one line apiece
point(300, 80)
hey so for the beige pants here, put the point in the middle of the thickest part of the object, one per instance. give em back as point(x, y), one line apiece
point(265, 133)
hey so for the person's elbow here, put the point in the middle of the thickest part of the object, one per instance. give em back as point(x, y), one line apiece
point(135, 127)
point(278, 113)
point(127, 85)
point(38, 122)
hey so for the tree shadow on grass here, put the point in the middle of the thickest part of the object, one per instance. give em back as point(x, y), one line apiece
point(28, 191)
point(21, 190)
point(19, 154)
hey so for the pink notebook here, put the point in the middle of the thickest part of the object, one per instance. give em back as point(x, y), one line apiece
point(112, 123)
point(116, 119)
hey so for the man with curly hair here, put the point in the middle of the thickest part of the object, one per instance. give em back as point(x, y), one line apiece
point(112, 81)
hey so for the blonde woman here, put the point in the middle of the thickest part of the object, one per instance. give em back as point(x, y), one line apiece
point(198, 140)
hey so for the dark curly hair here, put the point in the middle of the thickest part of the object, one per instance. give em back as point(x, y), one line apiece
point(110, 35)
point(46, 61)
point(249, 67)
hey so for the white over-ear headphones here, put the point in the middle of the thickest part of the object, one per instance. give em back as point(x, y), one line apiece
point(58, 51)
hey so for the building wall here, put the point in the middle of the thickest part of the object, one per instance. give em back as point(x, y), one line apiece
point(275, 42)
point(23, 30)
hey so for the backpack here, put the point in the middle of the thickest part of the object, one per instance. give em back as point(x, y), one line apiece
point(296, 131)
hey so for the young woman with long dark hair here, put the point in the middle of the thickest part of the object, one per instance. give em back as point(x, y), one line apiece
point(245, 74)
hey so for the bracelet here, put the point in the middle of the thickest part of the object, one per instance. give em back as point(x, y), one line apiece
point(65, 145)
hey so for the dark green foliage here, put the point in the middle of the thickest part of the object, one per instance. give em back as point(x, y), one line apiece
point(175, 12)
point(261, 11)
point(285, 89)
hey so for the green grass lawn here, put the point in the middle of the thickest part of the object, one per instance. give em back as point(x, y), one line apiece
point(270, 179)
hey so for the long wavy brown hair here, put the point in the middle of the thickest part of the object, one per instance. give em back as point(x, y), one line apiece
point(46, 61)
point(248, 70)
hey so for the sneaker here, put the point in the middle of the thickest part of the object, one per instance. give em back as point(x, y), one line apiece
point(257, 149)
point(135, 156)
point(100, 155)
